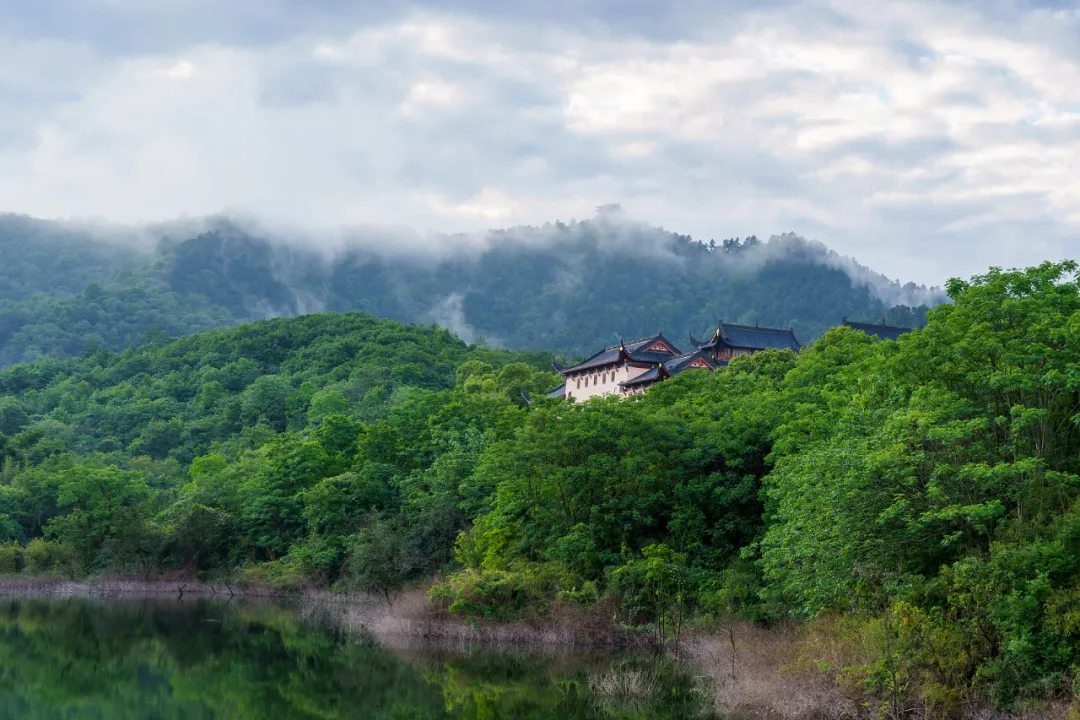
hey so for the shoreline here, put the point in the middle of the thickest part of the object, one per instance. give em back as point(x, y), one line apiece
point(749, 671)
point(14, 586)
point(409, 620)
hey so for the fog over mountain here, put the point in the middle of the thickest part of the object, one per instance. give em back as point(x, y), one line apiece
point(928, 138)
point(77, 285)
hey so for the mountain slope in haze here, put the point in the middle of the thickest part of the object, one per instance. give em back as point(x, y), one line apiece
point(64, 290)
point(569, 287)
point(40, 256)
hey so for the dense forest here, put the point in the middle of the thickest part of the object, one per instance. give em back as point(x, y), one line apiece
point(565, 287)
point(925, 489)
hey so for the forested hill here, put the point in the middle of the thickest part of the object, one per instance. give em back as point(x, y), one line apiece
point(178, 399)
point(920, 498)
point(568, 287)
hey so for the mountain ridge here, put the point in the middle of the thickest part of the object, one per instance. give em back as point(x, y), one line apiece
point(563, 286)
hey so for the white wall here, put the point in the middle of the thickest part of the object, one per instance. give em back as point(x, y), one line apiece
point(601, 381)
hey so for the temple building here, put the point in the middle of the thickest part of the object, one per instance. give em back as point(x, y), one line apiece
point(729, 341)
point(883, 331)
point(630, 368)
point(666, 369)
point(606, 371)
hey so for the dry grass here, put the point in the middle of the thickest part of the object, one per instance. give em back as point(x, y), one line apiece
point(805, 673)
point(410, 620)
point(755, 672)
point(109, 585)
point(639, 684)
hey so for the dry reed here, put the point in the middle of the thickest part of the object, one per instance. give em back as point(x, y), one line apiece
point(633, 684)
point(115, 586)
point(411, 620)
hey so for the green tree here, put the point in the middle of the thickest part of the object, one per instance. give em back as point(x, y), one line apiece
point(106, 520)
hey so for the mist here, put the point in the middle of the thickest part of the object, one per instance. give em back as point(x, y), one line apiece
point(565, 286)
point(612, 231)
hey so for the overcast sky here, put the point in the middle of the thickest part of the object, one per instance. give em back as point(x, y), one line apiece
point(926, 139)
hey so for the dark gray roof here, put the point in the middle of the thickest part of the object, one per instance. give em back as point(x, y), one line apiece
point(557, 392)
point(613, 353)
point(653, 356)
point(883, 331)
point(650, 375)
point(670, 368)
point(676, 365)
point(756, 338)
point(750, 336)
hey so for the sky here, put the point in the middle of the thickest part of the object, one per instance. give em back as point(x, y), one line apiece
point(925, 139)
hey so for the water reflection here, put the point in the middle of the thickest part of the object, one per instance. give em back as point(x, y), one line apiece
point(81, 658)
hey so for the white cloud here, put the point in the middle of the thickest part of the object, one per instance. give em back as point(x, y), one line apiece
point(182, 70)
point(488, 205)
point(921, 137)
point(430, 94)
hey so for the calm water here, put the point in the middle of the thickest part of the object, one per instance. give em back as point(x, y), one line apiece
point(80, 658)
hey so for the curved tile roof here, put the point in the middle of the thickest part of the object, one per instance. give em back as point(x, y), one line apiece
point(759, 338)
point(557, 392)
point(647, 376)
point(633, 350)
point(753, 337)
point(670, 367)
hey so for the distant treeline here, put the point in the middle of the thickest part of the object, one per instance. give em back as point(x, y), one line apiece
point(566, 287)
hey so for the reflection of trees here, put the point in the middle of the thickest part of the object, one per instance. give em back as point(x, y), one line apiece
point(207, 659)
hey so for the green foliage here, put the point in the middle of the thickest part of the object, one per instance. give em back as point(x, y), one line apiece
point(241, 446)
point(655, 586)
point(11, 558)
point(105, 521)
point(380, 561)
point(937, 482)
point(507, 594)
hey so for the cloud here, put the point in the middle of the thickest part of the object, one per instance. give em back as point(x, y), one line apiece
point(925, 139)
point(449, 313)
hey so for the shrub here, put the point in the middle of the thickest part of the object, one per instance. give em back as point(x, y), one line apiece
point(11, 558)
point(283, 575)
point(585, 596)
point(41, 556)
point(504, 594)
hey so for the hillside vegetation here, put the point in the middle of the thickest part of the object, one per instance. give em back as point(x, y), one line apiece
point(567, 287)
point(924, 490)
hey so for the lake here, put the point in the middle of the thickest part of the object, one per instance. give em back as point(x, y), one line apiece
point(208, 658)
